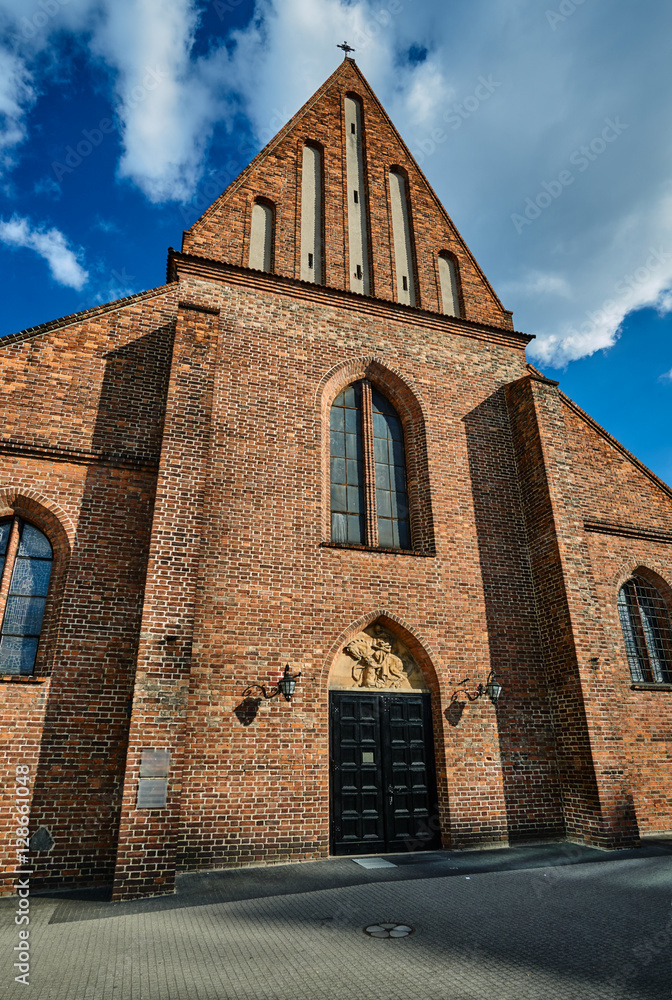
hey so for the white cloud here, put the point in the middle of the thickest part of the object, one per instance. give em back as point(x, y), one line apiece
point(165, 109)
point(289, 49)
point(51, 244)
point(426, 93)
point(48, 186)
point(166, 113)
point(647, 283)
point(105, 225)
point(16, 96)
point(537, 284)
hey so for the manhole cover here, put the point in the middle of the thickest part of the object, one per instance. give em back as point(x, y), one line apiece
point(388, 930)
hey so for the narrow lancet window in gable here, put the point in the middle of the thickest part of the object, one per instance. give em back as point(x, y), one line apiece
point(647, 631)
point(311, 215)
point(356, 203)
point(401, 232)
point(26, 559)
point(448, 278)
point(261, 236)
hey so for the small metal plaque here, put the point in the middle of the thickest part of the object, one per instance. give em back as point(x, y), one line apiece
point(152, 793)
point(154, 763)
point(367, 757)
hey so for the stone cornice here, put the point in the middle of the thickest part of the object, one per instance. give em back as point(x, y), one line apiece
point(76, 457)
point(628, 531)
point(182, 265)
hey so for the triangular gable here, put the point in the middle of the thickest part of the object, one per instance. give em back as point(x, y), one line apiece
point(223, 231)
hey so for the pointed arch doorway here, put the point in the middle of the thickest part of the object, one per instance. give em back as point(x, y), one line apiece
point(382, 773)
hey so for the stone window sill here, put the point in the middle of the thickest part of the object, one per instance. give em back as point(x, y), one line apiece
point(371, 548)
point(648, 686)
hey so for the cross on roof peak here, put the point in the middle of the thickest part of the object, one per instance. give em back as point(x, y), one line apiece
point(346, 48)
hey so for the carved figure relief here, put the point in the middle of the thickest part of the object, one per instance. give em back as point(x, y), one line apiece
point(375, 658)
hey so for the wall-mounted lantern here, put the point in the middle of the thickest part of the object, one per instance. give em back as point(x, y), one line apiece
point(492, 687)
point(285, 686)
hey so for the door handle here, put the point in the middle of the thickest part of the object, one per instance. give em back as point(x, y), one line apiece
point(391, 789)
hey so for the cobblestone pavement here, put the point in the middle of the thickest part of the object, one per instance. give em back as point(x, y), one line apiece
point(557, 924)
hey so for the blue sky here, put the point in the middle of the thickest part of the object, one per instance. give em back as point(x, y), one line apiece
point(544, 127)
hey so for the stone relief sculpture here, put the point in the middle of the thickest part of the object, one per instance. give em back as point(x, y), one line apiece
point(374, 659)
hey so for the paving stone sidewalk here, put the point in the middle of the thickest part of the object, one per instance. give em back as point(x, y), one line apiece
point(556, 922)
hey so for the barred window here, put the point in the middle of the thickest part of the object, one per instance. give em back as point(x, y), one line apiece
point(369, 497)
point(25, 566)
point(647, 631)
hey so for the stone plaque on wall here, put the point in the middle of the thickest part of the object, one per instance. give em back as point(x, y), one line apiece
point(152, 793)
point(154, 763)
point(375, 659)
point(153, 783)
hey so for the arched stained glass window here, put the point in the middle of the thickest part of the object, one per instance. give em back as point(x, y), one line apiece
point(390, 459)
point(647, 631)
point(347, 467)
point(25, 561)
point(368, 466)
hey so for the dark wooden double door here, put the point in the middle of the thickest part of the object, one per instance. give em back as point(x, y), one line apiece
point(383, 785)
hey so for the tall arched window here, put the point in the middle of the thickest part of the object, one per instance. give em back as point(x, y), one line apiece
point(311, 215)
point(25, 563)
point(347, 467)
point(369, 497)
point(357, 213)
point(647, 631)
point(449, 281)
point(262, 235)
point(402, 237)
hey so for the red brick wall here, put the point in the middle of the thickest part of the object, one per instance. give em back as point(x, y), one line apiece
point(268, 591)
point(232, 561)
point(623, 507)
point(543, 475)
point(82, 414)
point(174, 447)
point(180, 546)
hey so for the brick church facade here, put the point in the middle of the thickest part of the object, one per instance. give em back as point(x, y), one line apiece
point(319, 445)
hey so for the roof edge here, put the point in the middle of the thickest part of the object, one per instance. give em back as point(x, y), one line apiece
point(439, 204)
point(593, 424)
point(269, 147)
point(79, 317)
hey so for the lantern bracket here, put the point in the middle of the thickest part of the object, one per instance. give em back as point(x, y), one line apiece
point(285, 686)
